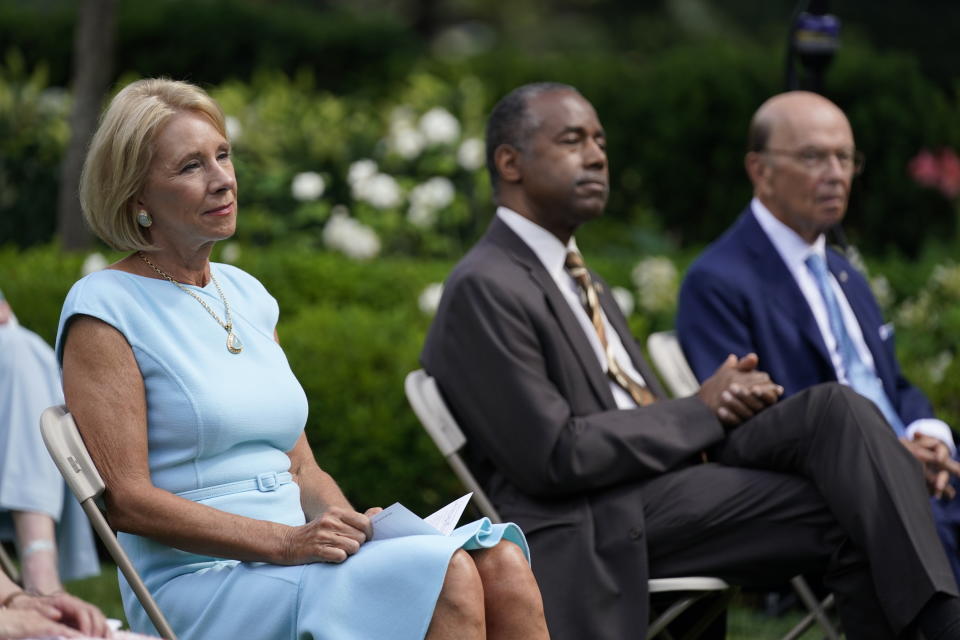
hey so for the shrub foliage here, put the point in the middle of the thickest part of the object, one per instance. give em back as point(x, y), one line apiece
point(353, 330)
point(676, 124)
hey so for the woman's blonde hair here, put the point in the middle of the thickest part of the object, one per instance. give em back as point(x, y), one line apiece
point(121, 151)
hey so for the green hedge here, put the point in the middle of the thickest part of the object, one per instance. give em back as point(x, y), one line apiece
point(353, 330)
point(36, 282)
point(33, 135)
point(676, 125)
point(209, 41)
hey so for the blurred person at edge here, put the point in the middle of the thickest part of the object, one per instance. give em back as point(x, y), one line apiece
point(173, 370)
point(51, 532)
point(30, 616)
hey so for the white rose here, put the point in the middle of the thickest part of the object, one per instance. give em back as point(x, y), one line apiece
point(380, 190)
point(472, 154)
point(656, 281)
point(230, 253)
point(361, 170)
point(93, 262)
point(364, 244)
point(938, 366)
point(54, 100)
point(429, 299)
point(915, 312)
point(307, 186)
point(421, 216)
point(624, 300)
point(435, 193)
point(406, 141)
point(234, 128)
point(350, 237)
point(428, 198)
point(947, 277)
point(439, 126)
point(881, 291)
point(402, 115)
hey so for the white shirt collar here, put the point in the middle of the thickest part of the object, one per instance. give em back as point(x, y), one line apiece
point(792, 248)
point(547, 247)
point(553, 254)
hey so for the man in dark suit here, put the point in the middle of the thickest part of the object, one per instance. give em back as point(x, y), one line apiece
point(757, 288)
point(571, 436)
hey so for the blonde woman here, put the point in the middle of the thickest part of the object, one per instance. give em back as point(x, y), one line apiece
point(184, 396)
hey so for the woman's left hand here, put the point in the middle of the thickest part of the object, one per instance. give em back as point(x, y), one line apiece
point(68, 610)
point(333, 536)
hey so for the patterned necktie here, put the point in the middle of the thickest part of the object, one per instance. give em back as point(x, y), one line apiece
point(861, 378)
point(591, 303)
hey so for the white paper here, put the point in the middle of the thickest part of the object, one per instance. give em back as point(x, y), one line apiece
point(396, 520)
point(445, 520)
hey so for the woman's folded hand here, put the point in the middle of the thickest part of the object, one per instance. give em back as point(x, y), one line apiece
point(332, 537)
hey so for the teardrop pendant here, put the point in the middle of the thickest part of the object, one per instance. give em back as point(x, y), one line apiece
point(234, 345)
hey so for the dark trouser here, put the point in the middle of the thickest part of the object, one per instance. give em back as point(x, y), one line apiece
point(946, 515)
point(816, 483)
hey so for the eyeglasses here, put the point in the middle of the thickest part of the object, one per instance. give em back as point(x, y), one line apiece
point(816, 159)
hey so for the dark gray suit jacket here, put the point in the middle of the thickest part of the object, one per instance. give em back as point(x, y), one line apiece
point(546, 438)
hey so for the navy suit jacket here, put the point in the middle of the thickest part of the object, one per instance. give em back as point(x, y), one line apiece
point(739, 296)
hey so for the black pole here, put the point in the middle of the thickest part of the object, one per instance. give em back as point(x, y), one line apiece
point(814, 39)
point(790, 73)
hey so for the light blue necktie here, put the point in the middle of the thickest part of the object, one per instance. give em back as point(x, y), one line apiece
point(861, 378)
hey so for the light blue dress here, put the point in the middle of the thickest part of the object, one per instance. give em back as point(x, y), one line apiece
point(29, 481)
point(216, 418)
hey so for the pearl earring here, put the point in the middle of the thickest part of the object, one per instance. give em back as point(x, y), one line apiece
point(144, 219)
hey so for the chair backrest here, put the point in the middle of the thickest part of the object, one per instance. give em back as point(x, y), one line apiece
point(426, 401)
point(668, 358)
point(70, 454)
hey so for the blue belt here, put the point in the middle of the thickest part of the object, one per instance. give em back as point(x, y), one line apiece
point(270, 481)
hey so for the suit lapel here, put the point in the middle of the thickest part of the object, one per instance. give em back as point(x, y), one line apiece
point(779, 286)
point(501, 235)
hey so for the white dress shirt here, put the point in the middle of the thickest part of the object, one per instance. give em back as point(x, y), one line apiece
point(552, 254)
point(794, 251)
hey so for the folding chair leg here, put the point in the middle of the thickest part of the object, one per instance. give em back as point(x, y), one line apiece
point(817, 615)
point(671, 614)
point(126, 567)
point(721, 602)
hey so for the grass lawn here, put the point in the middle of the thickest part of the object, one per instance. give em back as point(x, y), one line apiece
point(744, 621)
point(102, 591)
point(748, 623)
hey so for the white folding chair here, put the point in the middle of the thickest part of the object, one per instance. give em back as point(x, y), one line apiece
point(66, 447)
point(427, 402)
point(667, 356)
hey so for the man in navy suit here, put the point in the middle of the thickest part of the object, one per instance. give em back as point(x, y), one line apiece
point(759, 289)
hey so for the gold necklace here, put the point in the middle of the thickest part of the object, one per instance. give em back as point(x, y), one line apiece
point(234, 345)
